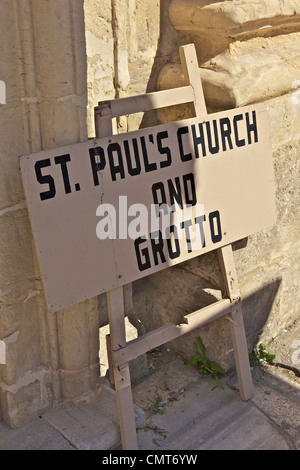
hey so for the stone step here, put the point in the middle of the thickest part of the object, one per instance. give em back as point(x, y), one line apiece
point(204, 417)
point(88, 427)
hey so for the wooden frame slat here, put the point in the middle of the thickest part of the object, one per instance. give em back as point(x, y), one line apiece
point(146, 102)
point(120, 352)
point(156, 338)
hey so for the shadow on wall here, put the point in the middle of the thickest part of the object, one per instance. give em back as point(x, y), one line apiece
point(257, 308)
point(179, 292)
point(167, 47)
point(149, 292)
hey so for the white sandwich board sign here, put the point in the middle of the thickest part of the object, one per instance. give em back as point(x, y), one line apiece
point(109, 211)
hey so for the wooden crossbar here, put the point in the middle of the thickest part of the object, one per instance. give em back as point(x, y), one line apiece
point(146, 102)
point(156, 338)
point(120, 352)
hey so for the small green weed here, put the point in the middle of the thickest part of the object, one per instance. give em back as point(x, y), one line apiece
point(159, 431)
point(261, 354)
point(206, 367)
point(158, 405)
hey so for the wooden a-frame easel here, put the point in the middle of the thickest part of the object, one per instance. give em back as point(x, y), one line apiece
point(120, 352)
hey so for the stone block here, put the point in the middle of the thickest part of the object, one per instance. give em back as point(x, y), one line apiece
point(16, 244)
point(284, 112)
point(268, 267)
point(12, 134)
point(255, 70)
point(27, 398)
point(248, 72)
point(80, 385)
point(21, 296)
point(92, 427)
point(230, 14)
point(213, 25)
point(77, 328)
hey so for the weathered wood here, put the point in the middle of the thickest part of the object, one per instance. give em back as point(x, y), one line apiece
point(121, 374)
point(237, 325)
point(109, 360)
point(146, 102)
point(156, 338)
point(208, 314)
point(117, 338)
point(192, 77)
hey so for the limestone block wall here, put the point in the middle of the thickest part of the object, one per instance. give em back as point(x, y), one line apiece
point(58, 59)
point(248, 52)
point(49, 358)
point(128, 41)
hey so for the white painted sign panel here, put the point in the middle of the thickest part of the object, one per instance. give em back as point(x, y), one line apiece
point(112, 210)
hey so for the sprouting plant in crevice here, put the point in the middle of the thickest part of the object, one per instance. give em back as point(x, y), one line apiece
point(205, 367)
point(159, 431)
point(261, 354)
point(158, 405)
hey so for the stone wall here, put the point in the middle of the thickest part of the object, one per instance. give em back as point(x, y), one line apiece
point(49, 358)
point(128, 41)
point(59, 58)
point(248, 52)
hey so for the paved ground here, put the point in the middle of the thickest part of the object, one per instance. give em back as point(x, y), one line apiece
point(177, 409)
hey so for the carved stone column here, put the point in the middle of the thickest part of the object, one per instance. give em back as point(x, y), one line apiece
point(49, 358)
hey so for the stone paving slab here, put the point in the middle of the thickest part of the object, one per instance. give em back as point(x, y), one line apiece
point(204, 417)
point(37, 434)
point(227, 425)
point(178, 409)
point(94, 426)
point(90, 427)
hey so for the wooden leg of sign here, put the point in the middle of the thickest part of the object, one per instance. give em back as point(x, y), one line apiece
point(121, 374)
point(237, 324)
point(241, 352)
point(117, 337)
point(109, 359)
